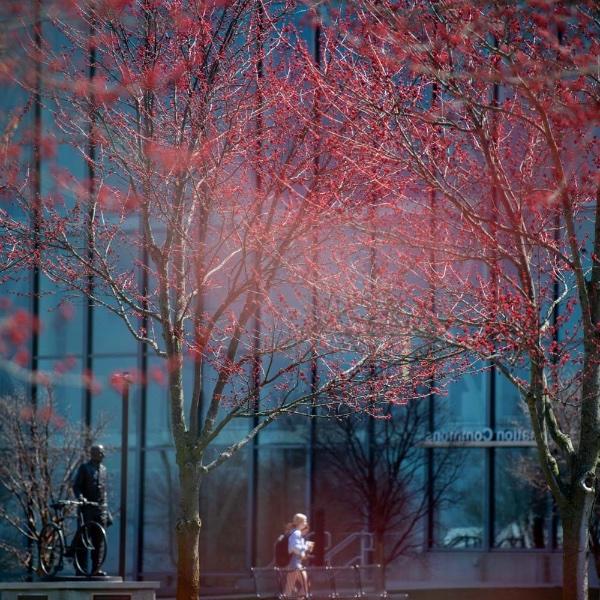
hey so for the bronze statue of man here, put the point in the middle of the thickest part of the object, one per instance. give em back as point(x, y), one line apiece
point(90, 484)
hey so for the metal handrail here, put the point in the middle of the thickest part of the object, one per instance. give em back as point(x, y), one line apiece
point(363, 536)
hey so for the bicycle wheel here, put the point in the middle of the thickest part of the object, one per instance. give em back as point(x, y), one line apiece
point(89, 543)
point(51, 547)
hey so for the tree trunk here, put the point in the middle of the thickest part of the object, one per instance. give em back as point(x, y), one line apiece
point(379, 553)
point(188, 533)
point(576, 514)
point(575, 550)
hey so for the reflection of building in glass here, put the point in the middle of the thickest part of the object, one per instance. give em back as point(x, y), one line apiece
point(494, 504)
point(490, 509)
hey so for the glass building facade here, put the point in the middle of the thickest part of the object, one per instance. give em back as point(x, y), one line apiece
point(489, 505)
point(488, 508)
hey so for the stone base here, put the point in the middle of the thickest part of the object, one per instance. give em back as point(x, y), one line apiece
point(79, 588)
point(81, 579)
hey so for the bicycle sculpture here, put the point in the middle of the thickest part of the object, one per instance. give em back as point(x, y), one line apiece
point(89, 540)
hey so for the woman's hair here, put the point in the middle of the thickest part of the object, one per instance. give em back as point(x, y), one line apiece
point(299, 519)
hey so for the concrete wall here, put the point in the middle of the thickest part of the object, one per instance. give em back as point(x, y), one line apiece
point(470, 569)
point(79, 590)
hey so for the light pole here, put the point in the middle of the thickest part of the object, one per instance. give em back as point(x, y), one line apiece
point(124, 457)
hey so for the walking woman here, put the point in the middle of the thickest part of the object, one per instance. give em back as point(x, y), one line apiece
point(299, 548)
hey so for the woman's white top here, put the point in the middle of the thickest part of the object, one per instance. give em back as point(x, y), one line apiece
point(297, 547)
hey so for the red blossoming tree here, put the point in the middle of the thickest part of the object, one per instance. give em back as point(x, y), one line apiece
point(201, 220)
point(476, 125)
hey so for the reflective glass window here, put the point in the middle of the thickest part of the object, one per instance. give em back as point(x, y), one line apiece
point(511, 411)
point(111, 335)
point(282, 492)
point(521, 503)
point(459, 518)
point(68, 388)
point(158, 413)
point(16, 288)
point(464, 407)
point(107, 400)
point(62, 321)
point(224, 514)
point(161, 503)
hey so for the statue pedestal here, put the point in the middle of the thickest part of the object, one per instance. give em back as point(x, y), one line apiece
point(77, 588)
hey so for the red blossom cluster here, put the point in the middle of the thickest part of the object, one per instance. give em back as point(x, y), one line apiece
point(16, 328)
